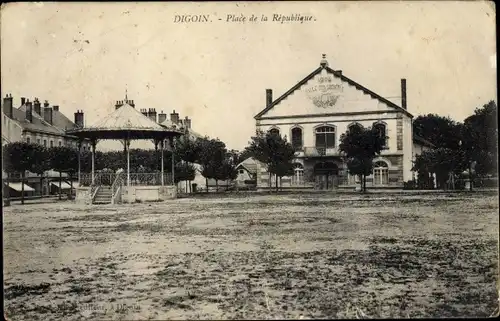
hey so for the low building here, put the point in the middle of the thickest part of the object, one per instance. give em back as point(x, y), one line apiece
point(247, 171)
point(317, 110)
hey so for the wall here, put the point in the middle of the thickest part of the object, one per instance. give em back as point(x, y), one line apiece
point(134, 194)
point(38, 138)
point(407, 148)
point(334, 95)
point(11, 130)
point(242, 177)
point(308, 124)
point(82, 195)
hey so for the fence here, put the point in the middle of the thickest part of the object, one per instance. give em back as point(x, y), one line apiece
point(136, 179)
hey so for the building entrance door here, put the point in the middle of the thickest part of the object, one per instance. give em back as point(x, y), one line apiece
point(326, 175)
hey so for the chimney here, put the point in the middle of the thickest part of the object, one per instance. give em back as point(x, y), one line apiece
point(56, 107)
point(78, 118)
point(29, 111)
point(23, 101)
point(152, 114)
point(117, 105)
point(323, 63)
point(339, 72)
point(162, 117)
point(131, 103)
point(7, 106)
point(187, 122)
point(144, 112)
point(269, 97)
point(174, 117)
point(47, 115)
point(403, 93)
point(37, 107)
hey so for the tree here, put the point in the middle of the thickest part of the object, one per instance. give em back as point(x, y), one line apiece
point(360, 146)
point(274, 151)
point(41, 163)
point(440, 131)
point(444, 162)
point(189, 151)
point(19, 157)
point(64, 159)
point(480, 139)
point(212, 157)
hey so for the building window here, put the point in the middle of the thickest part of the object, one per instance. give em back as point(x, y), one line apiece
point(297, 138)
point(84, 148)
point(380, 173)
point(242, 171)
point(51, 143)
point(298, 174)
point(60, 143)
point(274, 131)
point(38, 141)
point(28, 140)
point(354, 125)
point(325, 137)
point(381, 129)
point(45, 143)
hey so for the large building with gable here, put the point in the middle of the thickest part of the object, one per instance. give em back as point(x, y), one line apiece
point(313, 115)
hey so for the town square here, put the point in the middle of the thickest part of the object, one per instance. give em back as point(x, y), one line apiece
point(162, 168)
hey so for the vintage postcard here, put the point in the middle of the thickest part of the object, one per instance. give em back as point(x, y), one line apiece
point(249, 160)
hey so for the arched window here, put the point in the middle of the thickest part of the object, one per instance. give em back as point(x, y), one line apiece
point(297, 138)
point(298, 174)
point(380, 173)
point(354, 126)
point(381, 130)
point(325, 137)
point(274, 131)
point(28, 140)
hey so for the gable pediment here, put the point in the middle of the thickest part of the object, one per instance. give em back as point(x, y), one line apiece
point(327, 92)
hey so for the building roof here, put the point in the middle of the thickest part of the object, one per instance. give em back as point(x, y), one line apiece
point(38, 124)
point(343, 78)
point(125, 122)
point(126, 118)
point(167, 123)
point(421, 141)
point(250, 164)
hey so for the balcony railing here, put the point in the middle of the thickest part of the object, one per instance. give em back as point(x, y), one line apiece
point(320, 151)
point(136, 179)
point(141, 179)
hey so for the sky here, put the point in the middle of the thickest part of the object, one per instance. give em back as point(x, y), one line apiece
point(83, 56)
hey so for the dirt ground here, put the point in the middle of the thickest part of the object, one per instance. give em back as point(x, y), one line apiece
point(264, 257)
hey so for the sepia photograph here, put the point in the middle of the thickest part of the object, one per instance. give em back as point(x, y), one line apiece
point(249, 160)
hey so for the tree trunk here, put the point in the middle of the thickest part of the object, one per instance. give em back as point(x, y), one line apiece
point(22, 186)
point(361, 183)
point(71, 188)
point(41, 185)
point(270, 181)
point(364, 183)
point(276, 182)
point(60, 179)
point(206, 183)
point(470, 177)
point(7, 191)
point(216, 185)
